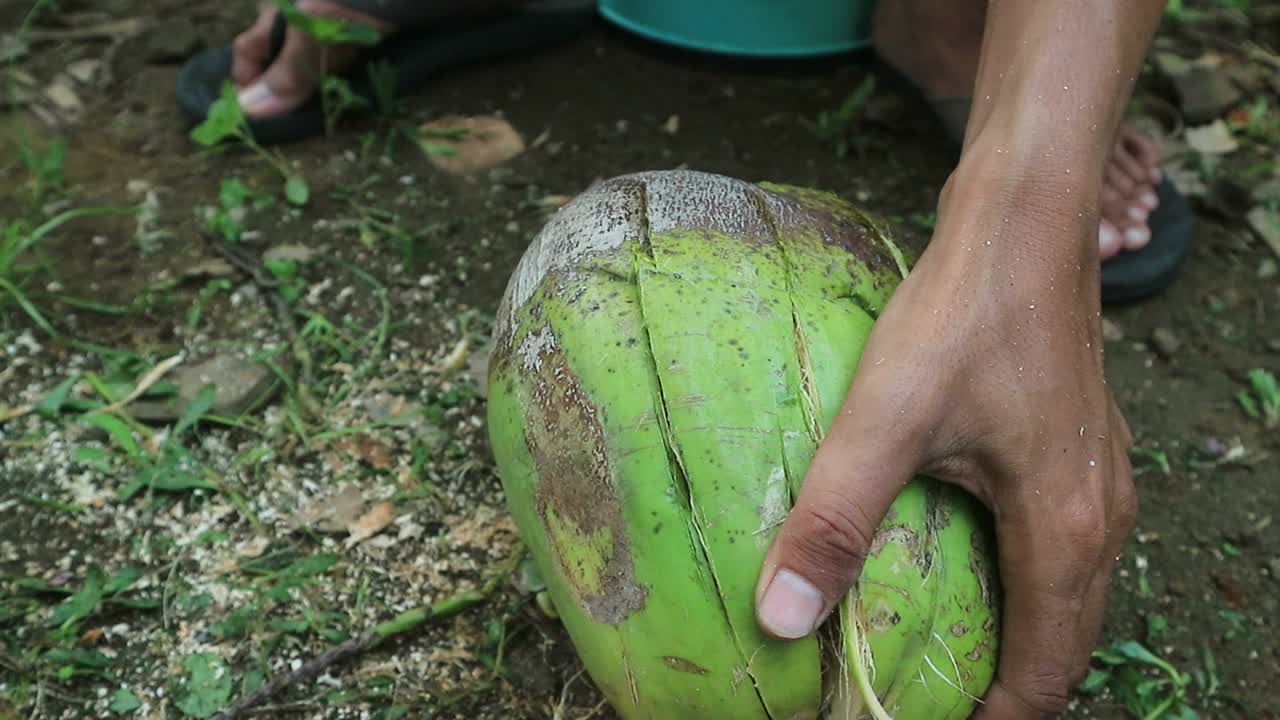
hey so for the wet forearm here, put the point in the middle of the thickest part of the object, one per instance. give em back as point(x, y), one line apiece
point(1051, 89)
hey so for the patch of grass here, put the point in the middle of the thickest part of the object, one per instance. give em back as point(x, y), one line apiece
point(1151, 459)
point(1146, 685)
point(834, 126)
point(1258, 121)
point(226, 121)
point(44, 169)
point(20, 237)
point(235, 199)
point(336, 95)
point(1261, 401)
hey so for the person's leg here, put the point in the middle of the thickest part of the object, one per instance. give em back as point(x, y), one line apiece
point(936, 44)
point(277, 85)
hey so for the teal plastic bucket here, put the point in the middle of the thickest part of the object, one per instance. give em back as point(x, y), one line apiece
point(752, 28)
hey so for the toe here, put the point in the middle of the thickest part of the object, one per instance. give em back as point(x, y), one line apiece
point(1130, 164)
point(1143, 149)
point(1118, 208)
point(1120, 181)
point(288, 82)
point(1109, 240)
point(1136, 237)
point(251, 48)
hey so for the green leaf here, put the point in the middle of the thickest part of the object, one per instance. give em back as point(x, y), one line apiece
point(251, 681)
point(224, 119)
point(50, 405)
point(1134, 650)
point(283, 271)
point(311, 565)
point(119, 432)
point(1095, 682)
point(133, 603)
point(236, 625)
point(293, 627)
point(121, 581)
point(96, 458)
point(396, 712)
point(1157, 626)
point(124, 701)
point(207, 685)
point(232, 193)
point(79, 657)
point(168, 478)
point(196, 409)
point(296, 190)
point(82, 603)
point(327, 29)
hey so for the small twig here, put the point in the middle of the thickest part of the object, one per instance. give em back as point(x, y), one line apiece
point(14, 413)
point(12, 664)
point(35, 709)
point(564, 695)
point(596, 710)
point(152, 377)
point(274, 710)
point(370, 639)
point(284, 315)
point(111, 30)
point(164, 591)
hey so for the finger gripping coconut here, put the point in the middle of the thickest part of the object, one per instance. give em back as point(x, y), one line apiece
point(668, 354)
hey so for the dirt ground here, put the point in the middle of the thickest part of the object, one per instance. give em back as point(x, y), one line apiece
point(370, 490)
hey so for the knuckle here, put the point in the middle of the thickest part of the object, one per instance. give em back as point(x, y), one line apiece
point(1126, 510)
point(832, 533)
point(244, 44)
point(1083, 524)
point(1048, 694)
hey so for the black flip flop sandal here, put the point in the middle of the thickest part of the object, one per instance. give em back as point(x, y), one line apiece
point(1131, 275)
point(415, 53)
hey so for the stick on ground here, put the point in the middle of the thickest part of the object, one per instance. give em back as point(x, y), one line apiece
point(370, 639)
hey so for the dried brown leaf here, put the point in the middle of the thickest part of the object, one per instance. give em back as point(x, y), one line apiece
point(371, 523)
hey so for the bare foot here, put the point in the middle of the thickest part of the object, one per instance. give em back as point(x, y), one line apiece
point(936, 44)
point(276, 86)
point(1128, 193)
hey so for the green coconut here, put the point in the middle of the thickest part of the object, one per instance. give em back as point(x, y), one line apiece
point(668, 355)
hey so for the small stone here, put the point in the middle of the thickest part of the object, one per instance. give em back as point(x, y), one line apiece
point(1267, 269)
point(1273, 566)
point(172, 41)
point(241, 385)
point(63, 97)
point(289, 253)
point(1205, 92)
point(1166, 342)
point(1214, 138)
point(1111, 331)
point(84, 71)
point(1266, 223)
point(12, 47)
point(672, 125)
point(1274, 345)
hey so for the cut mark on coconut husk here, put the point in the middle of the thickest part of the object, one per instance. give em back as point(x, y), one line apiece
point(644, 259)
point(810, 402)
point(856, 661)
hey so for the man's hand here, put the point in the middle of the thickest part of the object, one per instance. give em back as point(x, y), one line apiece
point(984, 370)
